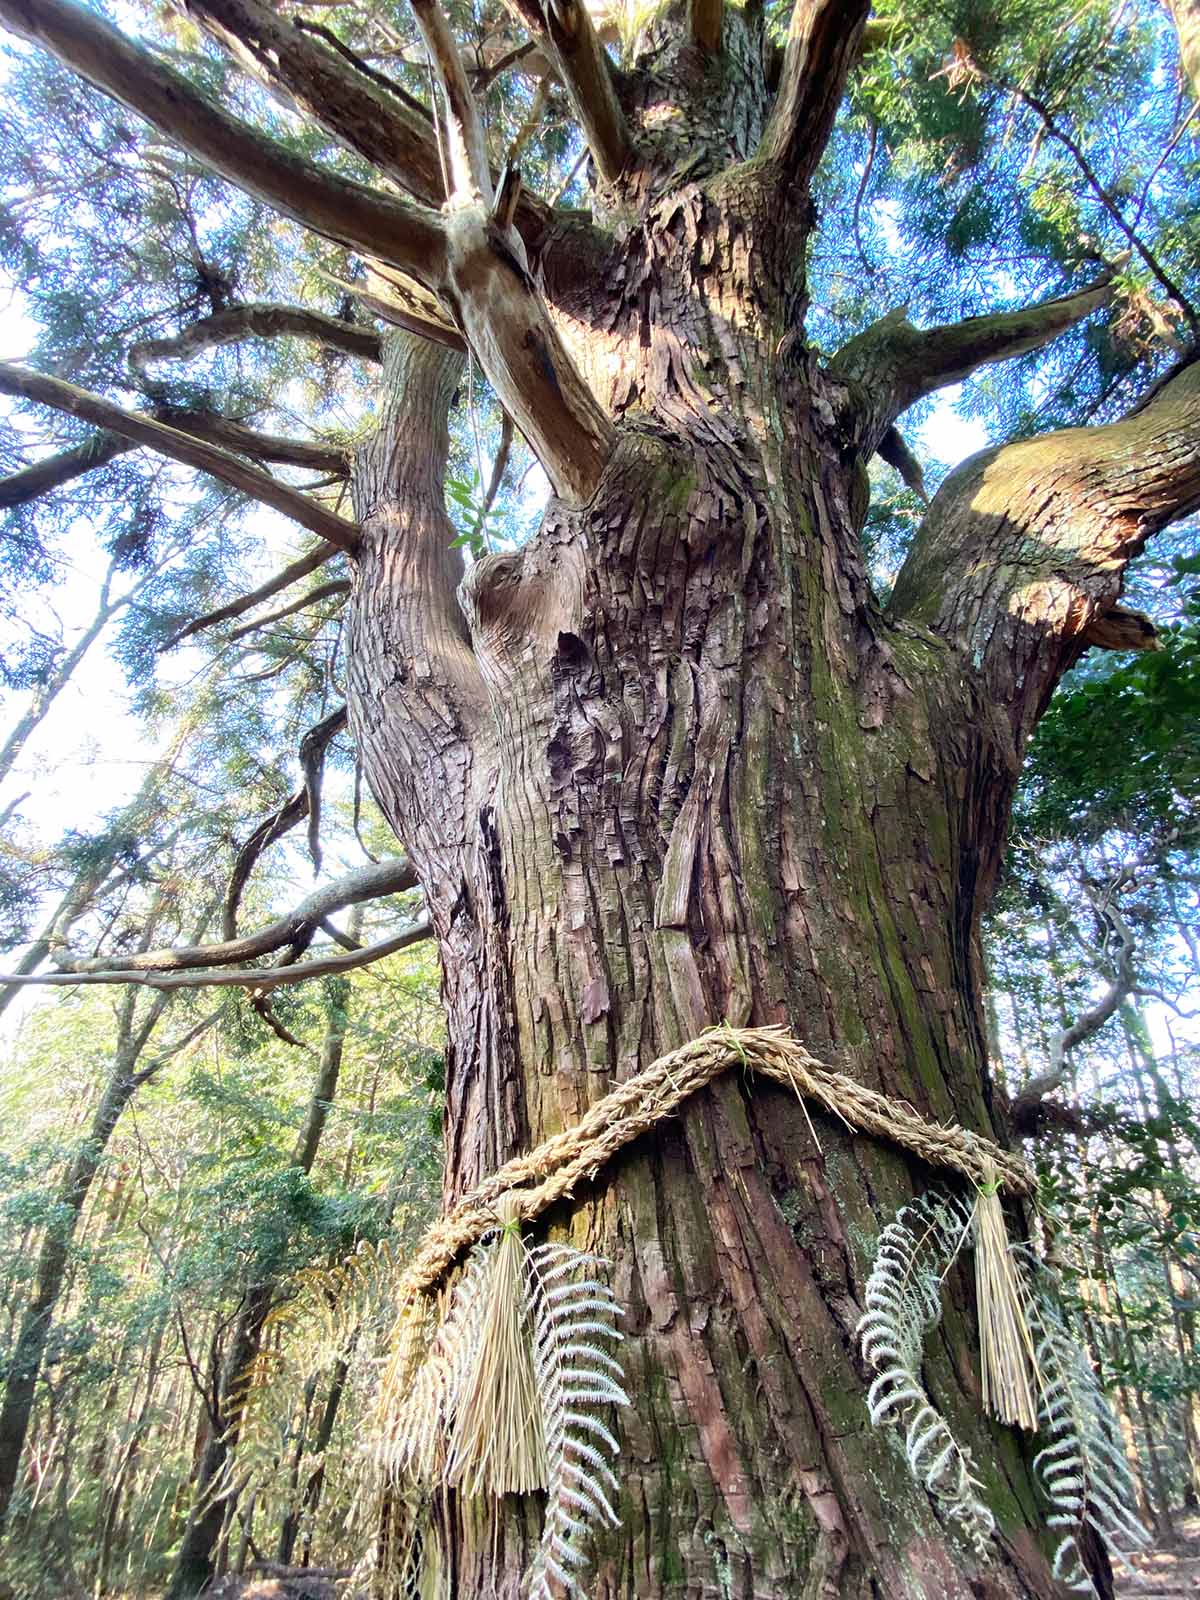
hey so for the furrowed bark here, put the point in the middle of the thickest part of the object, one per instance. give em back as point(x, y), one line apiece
point(1024, 547)
point(266, 591)
point(257, 321)
point(893, 364)
point(349, 213)
point(31, 482)
point(823, 44)
point(185, 447)
point(566, 30)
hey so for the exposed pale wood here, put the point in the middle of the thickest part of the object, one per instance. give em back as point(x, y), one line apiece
point(184, 447)
point(466, 148)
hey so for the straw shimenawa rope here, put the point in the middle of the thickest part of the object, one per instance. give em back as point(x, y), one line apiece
point(551, 1171)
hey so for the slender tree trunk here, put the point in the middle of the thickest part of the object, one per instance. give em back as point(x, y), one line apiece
point(26, 1364)
point(195, 1565)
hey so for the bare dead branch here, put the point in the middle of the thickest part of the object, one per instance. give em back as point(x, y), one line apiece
point(266, 591)
point(257, 321)
point(258, 980)
point(1026, 1109)
point(313, 747)
point(323, 591)
point(184, 447)
point(30, 483)
point(349, 213)
point(363, 884)
point(892, 364)
point(823, 44)
point(582, 64)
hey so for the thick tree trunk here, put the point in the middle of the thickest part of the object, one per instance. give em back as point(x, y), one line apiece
point(676, 767)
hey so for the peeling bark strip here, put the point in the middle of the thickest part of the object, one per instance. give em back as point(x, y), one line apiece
point(671, 761)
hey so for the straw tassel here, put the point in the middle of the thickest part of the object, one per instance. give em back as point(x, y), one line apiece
point(498, 1445)
point(1008, 1364)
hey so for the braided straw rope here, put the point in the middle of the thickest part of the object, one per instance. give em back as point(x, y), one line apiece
point(633, 1107)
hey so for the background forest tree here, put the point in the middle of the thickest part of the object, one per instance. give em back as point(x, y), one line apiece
point(316, 309)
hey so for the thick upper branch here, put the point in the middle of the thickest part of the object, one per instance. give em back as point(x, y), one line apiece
point(508, 328)
point(383, 124)
point(265, 591)
point(183, 447)
point(407, 235)
point(822, 45)
point(257, 321)
point(1025, 546)
point(470, 175)
point(579, 58)
point(892, 364)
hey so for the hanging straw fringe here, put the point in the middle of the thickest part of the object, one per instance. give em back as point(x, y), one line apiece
point(1007, 1363)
